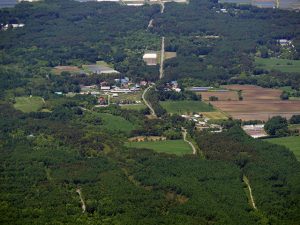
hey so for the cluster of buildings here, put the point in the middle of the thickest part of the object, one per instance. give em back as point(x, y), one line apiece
point(172, 86)
point(201, 123)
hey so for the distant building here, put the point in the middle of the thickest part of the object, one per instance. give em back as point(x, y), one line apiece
point(284, 42)
point(150, 59)
point(199, 89)
point(97, 69)
point(105, 88)
point(28, 0)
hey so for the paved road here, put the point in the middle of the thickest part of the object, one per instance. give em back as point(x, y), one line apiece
point(245, 179)
point(83, 206)
point(184, 133)
point(147, 103)
point(162, 58)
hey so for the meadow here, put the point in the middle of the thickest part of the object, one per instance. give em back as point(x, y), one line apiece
point(186, 106)
point(283, 65)
point(116, 123)
point(293, 143)
point(133, 106)
point(29, 104)
point(177, 147)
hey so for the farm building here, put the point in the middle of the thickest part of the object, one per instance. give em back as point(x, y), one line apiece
point(97, 69)
point(150, 59)
point(199, 88)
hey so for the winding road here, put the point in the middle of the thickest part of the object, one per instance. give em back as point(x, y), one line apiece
point(147, 103)
point(184, 133)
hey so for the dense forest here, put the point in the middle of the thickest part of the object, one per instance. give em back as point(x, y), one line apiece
point(67, 163)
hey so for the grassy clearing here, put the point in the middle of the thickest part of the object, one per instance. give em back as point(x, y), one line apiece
point(116, 123)
point(134, 96)
point(283, 65)
point(177, 147)
point(215, 115)
point(293, 143)
point(29, 104)
point(181, 107)
point(134, 107)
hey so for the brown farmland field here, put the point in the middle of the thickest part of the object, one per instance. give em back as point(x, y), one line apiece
point(252, 92)
point(258, 104)
point(258, 110)
point(222, 96)
point(72, 69)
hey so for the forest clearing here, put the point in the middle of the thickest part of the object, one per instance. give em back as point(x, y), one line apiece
point(177, 147)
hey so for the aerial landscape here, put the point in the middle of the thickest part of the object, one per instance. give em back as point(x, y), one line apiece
point(139, 112)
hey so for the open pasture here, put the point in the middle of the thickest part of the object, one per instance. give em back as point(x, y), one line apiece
point(283, 65)
point(29, 104)
point(133, 106)
point(71, 69)
point(177, 147)
point(215, 115)
point(293, 143)
point(186, 106)
point(222, 96)
point(116, 123)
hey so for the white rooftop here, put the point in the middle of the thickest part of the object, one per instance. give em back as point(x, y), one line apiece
point(150, 56)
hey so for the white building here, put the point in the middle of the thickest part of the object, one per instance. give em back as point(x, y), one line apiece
point(150, 59)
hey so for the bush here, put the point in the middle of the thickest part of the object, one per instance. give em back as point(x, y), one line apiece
point(277, 125)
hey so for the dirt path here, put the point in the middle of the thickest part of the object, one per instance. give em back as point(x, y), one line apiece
point(184, 133)
point(245, 179)
point(150, 24)
point(147, 103)
point(162, 58)
point(83, 206)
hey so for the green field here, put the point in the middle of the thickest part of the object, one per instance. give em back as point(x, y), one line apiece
point(29, 104)
point(134, 107)
point(283, 65)
point(177, 147)
point(116, 123)
point(186, 106)
point(293, 143)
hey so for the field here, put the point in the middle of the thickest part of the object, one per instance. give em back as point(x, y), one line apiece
point(181, 107)
point(72, 69)
point(134, 107)
point(258, 104)
point(252, 92)
point(123, 97)
point(293, 143)
point(29, 104)
point(215, 115)
point(222, 96)
point(178, 147)
point(116, 123)
point(283, 65)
